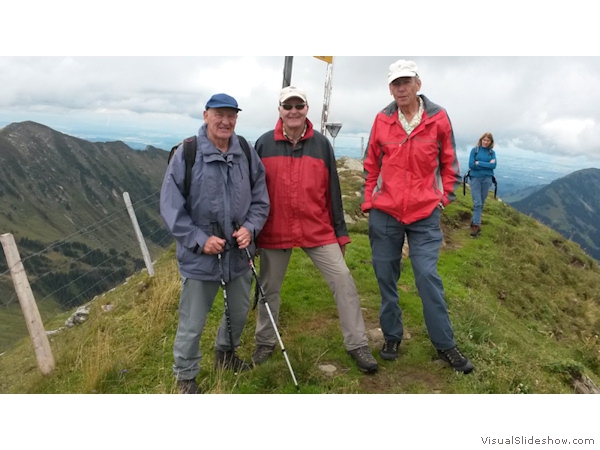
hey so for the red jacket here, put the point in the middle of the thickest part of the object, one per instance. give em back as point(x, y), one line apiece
point(304, 189)
point(407, 177)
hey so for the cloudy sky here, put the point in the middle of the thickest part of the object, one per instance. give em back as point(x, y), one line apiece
point(546, 105)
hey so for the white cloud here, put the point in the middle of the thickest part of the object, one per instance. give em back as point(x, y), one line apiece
point(575, 134)
point(542, 104)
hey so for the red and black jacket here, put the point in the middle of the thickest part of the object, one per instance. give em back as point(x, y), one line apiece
point(304, 190)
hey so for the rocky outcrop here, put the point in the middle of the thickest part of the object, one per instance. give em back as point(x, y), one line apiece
point(78, 317)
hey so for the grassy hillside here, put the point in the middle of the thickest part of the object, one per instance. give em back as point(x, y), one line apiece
point(525, 305)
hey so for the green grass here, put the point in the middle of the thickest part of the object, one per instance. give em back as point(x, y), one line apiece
point(524, 303)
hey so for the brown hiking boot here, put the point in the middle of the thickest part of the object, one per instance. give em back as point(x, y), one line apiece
point(475, 230)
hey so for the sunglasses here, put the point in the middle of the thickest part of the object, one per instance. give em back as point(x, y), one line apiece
point(299, 106)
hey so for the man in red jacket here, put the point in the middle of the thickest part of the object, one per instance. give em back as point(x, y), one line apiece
point(411, 173)
point(306, 212)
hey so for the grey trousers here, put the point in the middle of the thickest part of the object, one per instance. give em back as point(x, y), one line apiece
point(330, 261)
point(197, 298)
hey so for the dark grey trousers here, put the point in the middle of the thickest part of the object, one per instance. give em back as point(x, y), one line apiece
point(197, 298)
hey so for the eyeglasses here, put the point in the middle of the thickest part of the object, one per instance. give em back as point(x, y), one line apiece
point(298, 106)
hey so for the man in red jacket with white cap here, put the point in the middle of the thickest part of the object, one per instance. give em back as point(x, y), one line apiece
point(411, 173)
point(306, 212)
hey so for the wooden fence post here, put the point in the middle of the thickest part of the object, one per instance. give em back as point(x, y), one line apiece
point(41, 345)
point(138, 233)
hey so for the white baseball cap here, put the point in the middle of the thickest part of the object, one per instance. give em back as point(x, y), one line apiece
point(290, 92)
point(402, 68)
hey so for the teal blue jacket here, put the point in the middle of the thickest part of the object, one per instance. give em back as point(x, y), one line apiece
point(483, 156)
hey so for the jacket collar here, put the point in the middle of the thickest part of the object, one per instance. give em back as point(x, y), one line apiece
point(279, 136)
point(210, 152)
point(431, 108)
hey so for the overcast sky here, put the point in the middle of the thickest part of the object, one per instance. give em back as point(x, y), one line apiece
point(544, 107)
point(548, 105)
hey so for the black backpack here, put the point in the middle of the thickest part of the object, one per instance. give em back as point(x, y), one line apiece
point(468, 175)
point(189, 154)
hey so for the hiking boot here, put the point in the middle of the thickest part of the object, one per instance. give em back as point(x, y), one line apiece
point(475, 230)
point(262, 353)
point(456, 359)
point(230, 361)
point(389, 351)
point(188, 387)
point(364, 359)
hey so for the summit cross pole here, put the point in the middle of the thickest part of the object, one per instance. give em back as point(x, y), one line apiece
point(328, 87)
point(287, 71)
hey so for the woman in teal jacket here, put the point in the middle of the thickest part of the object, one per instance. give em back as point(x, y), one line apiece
point(482, 163)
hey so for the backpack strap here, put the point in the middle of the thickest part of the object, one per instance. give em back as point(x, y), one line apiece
point(189, 155)
point(172, 153)
point(246, 149)
point(467, 175)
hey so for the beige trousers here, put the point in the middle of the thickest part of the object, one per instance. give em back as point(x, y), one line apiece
point(330, 262)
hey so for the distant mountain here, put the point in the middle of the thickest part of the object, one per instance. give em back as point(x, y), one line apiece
point(53, 186)
point(571, 206)
point(521, 193)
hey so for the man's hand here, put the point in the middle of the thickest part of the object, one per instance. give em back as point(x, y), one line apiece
point(243, 237)
point(214, 245)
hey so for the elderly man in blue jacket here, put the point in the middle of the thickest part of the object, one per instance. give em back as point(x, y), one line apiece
point(226, 208)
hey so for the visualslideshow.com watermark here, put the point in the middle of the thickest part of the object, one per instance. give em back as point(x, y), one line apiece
point(531, 440)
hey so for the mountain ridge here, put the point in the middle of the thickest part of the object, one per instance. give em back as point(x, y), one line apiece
point(566, 206)
point(39, 160)
point(65, 193)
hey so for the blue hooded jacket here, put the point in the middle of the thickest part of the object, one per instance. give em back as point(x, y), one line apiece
point(223, 191)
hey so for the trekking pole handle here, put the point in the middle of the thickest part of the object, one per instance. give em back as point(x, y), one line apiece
point(259, 287)
point(218, 233)
point(242, 238)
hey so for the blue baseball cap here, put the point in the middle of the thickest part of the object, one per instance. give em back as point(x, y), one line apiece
point(222, 101)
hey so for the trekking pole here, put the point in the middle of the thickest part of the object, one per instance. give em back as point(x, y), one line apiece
point(218, 232)
point(264, 299)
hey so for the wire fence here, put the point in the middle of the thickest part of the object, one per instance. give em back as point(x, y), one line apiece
point(91, 260)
